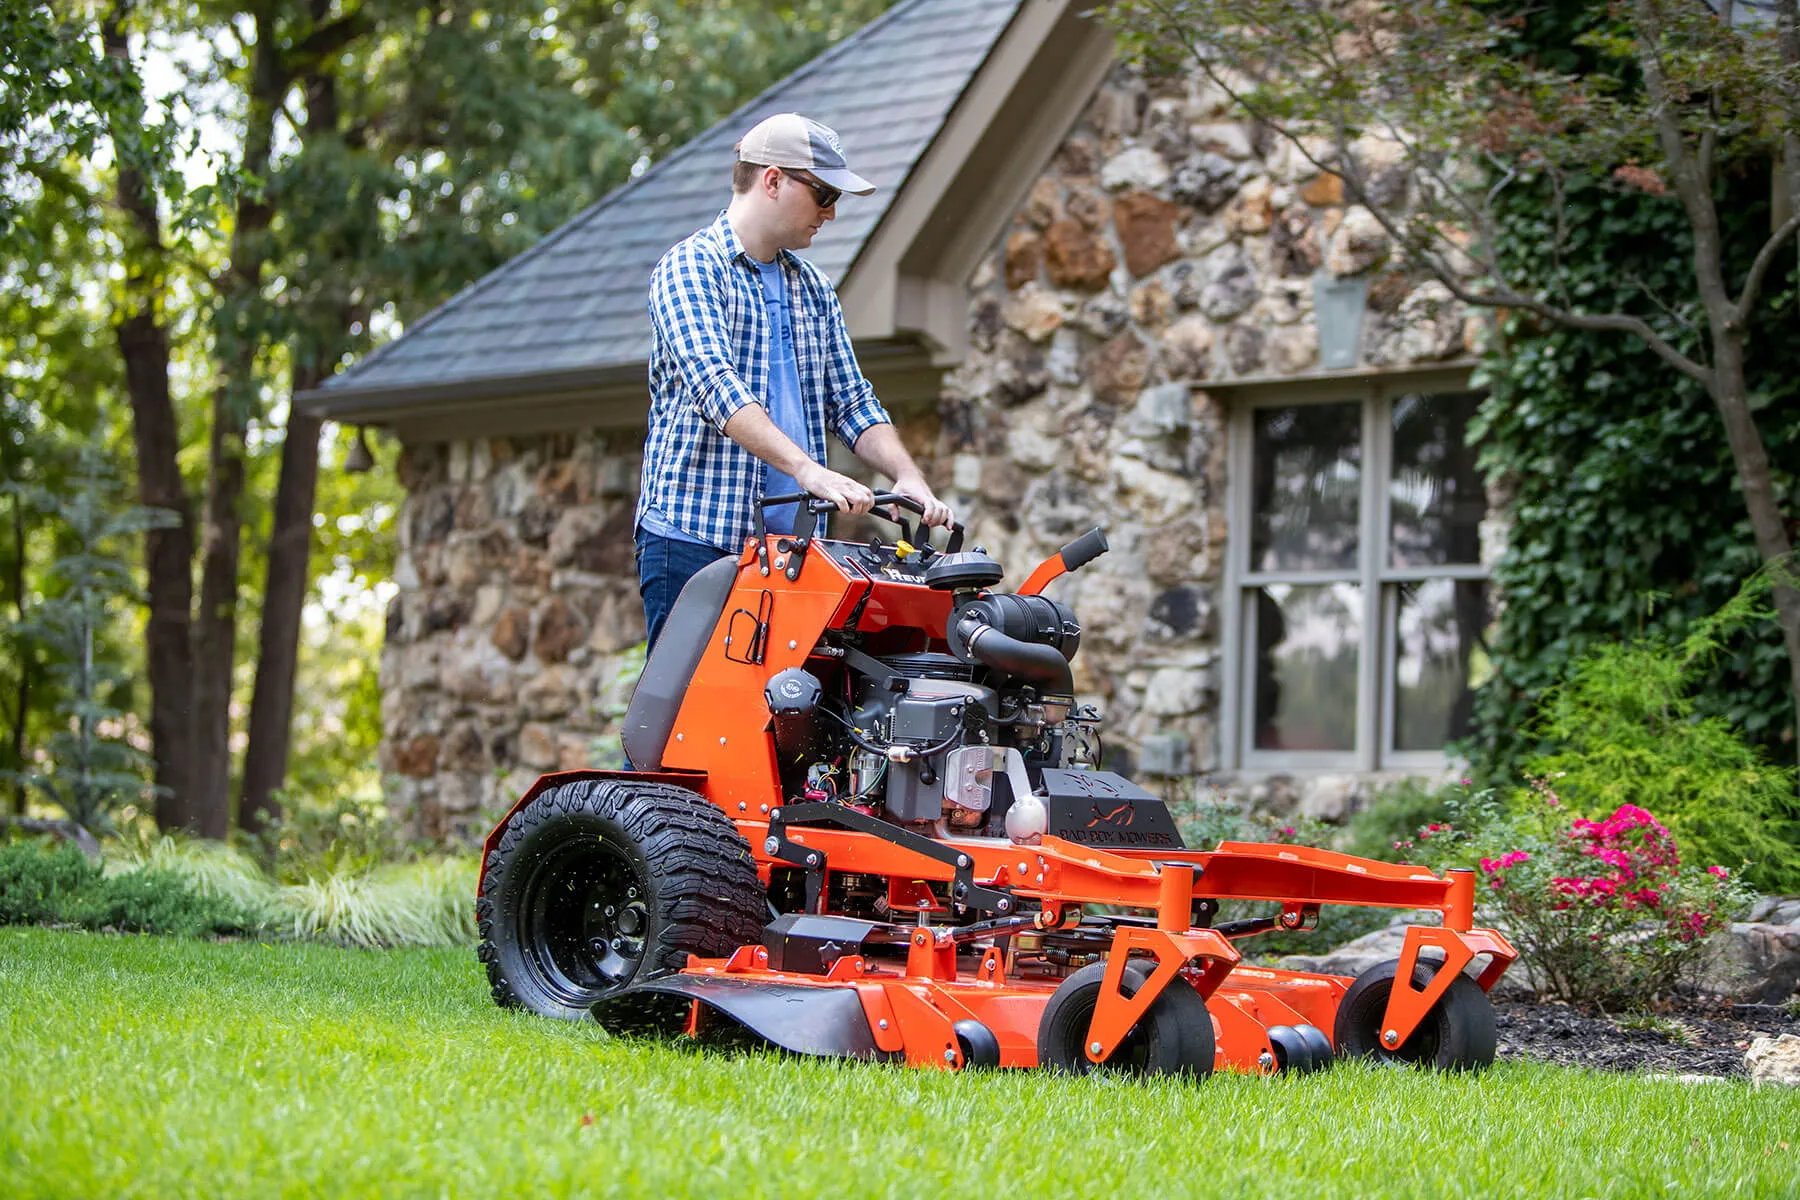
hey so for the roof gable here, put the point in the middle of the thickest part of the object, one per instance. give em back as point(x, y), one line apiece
point(575, 302)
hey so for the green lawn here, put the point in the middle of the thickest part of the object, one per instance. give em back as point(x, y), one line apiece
point(151, 1067)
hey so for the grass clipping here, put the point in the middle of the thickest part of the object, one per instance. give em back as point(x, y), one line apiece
point(426, 903)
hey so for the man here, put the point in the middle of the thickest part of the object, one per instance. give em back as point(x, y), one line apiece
point(750, 364)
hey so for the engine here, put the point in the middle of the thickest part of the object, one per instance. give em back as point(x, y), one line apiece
point(959, 740)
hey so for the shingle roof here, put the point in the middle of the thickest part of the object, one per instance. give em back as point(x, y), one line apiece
point(576, 300)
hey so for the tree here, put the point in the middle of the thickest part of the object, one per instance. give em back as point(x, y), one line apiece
point(1429, 116)
point(92, 771)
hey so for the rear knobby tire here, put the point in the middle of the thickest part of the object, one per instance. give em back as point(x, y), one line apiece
point(598, 883)
point(1173, 1037)
point(1458, 1034)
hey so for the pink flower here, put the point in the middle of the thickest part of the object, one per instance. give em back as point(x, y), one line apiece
point(1718, 872)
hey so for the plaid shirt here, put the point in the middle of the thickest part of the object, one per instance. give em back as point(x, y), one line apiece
point(709, 357)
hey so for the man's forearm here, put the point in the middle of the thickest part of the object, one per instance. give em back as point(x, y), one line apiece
point(751, 428)
point(880, 446)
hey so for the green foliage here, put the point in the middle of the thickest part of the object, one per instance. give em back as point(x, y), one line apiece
point(93, 770)
point(1625, 730)
point(427, 903)
point(60, 886)
point(1622, 484)
point(1394, 817)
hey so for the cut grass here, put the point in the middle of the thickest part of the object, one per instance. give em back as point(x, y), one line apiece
point(160, 1067)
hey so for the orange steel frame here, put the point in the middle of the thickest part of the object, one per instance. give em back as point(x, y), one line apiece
point(722, 747)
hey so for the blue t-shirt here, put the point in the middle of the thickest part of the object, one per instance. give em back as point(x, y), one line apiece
point(782, 402)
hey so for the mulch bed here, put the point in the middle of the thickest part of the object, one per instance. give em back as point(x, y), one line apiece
point(1719, 1034)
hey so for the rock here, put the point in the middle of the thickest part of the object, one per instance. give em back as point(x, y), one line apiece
point(1228, 283)
point(1359, 244)
point(1151, 305)
point(1179, 551)
point(1228, 138)
point(1291, 349)
point(1430, 326)
point(1166, 755)
point(984, 323)
point(559, 630)
point(1162, 410)
point(1183, 611)
point(418, 757)
point(1330, 797)
point(1205, 181)
point(1078, 157)
point(432, 518)
point(1077, 258)
point(1757, 962)
point(463, 749)
point(1774, 1060)
point(470, 559)
point(1063, 361)
point(1252, 209)
point(1116, 112)
point(1138, 166)
point(1293, 251)
point(1031, 448)
point(1775, 910)
point(1244, 349)
point(1323, 189)
point(512, 633)
point(557, 482)
point(1187, 349)
point(1177, 691)
point(1116, 370)
point(617, 478)
point(549, 695)
point(610, 549)
point(1024, 257)
point(1104, 315)
point(619, 624)
point(1020, 374)
point(537, 747)
point(1044, 206)
point(536, 519)
point(1089, 208)
point(1146, 225)
point(1034, 313)
point(460, 792)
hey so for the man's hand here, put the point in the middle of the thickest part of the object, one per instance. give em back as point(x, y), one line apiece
point(914, 487)
point(841, 490)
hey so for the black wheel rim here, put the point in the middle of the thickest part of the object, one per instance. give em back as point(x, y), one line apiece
point(1421, 1047)
point(587, 917)
point(1132, 1055)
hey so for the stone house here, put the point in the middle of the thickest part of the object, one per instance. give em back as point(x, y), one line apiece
point(1087, 299)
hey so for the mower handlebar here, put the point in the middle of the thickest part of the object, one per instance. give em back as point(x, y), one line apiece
point(818, 507)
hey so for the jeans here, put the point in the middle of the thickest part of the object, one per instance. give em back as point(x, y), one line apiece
point(664, 567)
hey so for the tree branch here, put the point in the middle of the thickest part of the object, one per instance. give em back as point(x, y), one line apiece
point(1759, 268)
point(305, 57)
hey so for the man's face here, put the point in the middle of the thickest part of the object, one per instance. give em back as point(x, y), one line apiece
point(798, 216)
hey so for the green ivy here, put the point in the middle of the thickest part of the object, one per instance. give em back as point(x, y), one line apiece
point(1626, 518)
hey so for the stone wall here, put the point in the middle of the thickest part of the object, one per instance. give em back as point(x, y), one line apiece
point(1165, 248)
point(517, 629)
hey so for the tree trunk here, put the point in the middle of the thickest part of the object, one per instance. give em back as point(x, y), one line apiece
point(22, 695)
point(284, 595)
point(236, 340)
point(168, 553)
point(1767, 523)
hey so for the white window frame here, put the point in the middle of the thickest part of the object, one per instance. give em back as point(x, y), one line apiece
point(1375, 732)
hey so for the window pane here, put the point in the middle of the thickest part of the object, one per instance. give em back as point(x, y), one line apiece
point(1306, 645)
point(1440, 658)
point(1436, 499)
point(1307, 481)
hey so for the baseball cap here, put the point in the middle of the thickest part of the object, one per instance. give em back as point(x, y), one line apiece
point(801, 143)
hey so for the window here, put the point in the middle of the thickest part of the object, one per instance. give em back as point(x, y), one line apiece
point(1358, 603)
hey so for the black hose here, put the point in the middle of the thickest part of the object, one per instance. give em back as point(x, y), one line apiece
point(1042, 664)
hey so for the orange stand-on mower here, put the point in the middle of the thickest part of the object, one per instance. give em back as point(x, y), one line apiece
point(867, 820)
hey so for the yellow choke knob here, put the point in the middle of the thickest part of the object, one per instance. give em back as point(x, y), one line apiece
point(904, 548)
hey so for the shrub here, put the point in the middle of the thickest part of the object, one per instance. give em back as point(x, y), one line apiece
point(1627, 733)
point(411, 904)
point(61, 886)
point(1601, 911)
point(1394, 816)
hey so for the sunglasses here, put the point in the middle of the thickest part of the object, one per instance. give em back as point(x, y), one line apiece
point(824, 194)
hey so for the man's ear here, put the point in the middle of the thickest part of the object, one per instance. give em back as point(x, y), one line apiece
point(771, 181)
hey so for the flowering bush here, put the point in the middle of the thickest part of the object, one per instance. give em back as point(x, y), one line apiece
point(1601, 910)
